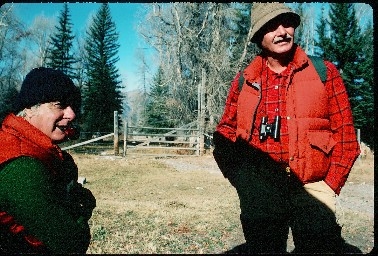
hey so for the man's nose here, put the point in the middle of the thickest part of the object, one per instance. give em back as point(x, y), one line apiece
point(281, 30)
point(69, 113)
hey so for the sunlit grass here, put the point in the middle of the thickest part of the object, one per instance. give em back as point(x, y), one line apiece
point(146, 207)
point(143, 206)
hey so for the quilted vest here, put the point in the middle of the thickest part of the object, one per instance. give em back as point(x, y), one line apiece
point(310, 136)
point(20, 138)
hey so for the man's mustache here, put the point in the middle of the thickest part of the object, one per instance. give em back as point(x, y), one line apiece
point(277, 39)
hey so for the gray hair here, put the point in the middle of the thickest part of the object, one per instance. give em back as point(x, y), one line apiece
point(22, 113)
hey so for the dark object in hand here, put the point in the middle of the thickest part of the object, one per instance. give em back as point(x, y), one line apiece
point(84, 201)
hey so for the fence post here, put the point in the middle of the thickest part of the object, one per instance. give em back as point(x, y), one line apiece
point(124, 137)
point(116, 137)
point(198, 118)
point(202, 114)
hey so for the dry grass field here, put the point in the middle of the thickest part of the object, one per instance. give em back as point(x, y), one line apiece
point(181, 205)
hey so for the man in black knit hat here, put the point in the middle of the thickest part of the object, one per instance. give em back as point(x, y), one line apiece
point(43, 209)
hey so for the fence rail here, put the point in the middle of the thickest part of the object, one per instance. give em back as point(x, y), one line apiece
point(88, 141)
point(184, 140)
point(175, 141)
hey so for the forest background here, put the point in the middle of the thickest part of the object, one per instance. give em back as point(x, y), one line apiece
point(194, 43)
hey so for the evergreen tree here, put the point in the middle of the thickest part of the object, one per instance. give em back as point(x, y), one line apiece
point(60, 54)
point(157, 109)
point(341, 41)
point(363, 104)
point(324, 41)
point(102, 95)
point(7, 97)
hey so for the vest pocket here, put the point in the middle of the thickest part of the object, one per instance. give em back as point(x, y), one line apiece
point(317, 154)
point(322, 140)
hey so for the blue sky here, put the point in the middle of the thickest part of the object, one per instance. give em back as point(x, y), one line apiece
point(123, 14)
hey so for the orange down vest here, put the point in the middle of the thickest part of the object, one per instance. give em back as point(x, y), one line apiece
point(20, 138)
point(310, 136)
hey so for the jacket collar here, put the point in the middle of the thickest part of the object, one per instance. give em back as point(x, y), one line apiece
point(22, 129)
point(252, 73)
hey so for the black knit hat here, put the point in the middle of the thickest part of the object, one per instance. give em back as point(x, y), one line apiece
point(42, 85)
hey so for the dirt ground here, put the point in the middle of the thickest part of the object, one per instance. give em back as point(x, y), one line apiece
point(355, 204)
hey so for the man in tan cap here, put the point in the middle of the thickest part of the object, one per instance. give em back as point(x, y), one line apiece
point(286, 141)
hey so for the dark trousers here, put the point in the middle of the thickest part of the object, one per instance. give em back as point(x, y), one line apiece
point(272, 201)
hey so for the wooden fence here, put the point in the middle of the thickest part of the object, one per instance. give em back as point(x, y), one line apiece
point(185, 140)
point(134, 140)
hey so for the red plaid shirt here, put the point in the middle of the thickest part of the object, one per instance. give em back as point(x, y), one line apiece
point(273, 103)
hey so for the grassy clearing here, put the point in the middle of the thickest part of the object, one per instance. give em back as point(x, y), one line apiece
point(143, 206)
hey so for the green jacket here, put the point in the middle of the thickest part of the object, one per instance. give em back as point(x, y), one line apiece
point(39, 191)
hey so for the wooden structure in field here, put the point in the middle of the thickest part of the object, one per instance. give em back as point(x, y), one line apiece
point(185, 140)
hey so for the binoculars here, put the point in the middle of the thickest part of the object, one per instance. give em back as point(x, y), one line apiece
point(270, 129)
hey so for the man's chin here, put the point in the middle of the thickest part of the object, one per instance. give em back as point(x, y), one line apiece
point(284, 47)
point(59, 136)
point(282, 51)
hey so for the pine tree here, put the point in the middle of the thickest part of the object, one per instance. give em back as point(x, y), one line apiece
point(60, 54)
point(102, 95)
point(346, 35)
point(363, 104)
point(7, 97)
point(323, 43)
point(341, 41)
point(157, 109)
